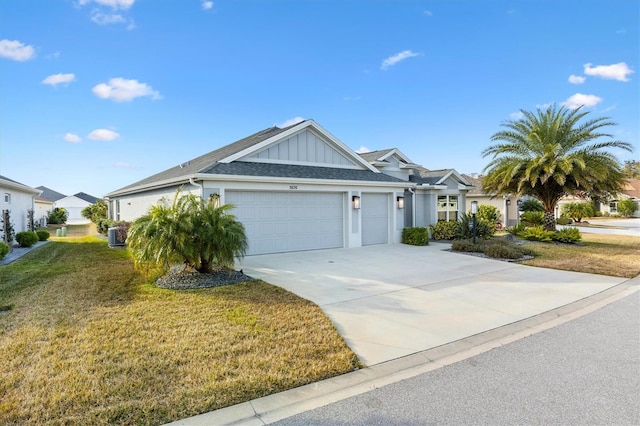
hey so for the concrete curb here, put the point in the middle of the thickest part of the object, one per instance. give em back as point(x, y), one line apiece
point(272, 408)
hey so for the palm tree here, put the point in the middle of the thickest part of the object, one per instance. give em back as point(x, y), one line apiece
point(192, 231)
point(550, 154)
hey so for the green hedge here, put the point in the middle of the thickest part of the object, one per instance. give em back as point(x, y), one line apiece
point(26, 238)
point(4, 249)
point(418, 236)
point(43, 235)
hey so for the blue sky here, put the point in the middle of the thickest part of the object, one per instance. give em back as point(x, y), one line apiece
point(97, 94)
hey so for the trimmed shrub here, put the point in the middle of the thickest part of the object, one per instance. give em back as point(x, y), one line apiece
point(567, 235)
point(627, 207)
point(4, 249)
point(43, 235)
point(489, 214)
point(444, 230)
point(536, 233)
point(466, 246)
point(418, 236)
point(532, 218)
point(564, 221)
point(500, 251)
point(104, 225)
point(26, 238)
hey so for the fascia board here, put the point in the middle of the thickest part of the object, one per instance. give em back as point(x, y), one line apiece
point(328, 182)
point(281, 136)
point(151, 186)
point(19, 187)
point(398, 153)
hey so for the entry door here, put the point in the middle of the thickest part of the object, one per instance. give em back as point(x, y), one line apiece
point(375, 219)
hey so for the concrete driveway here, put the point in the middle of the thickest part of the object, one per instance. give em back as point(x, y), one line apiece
point(389, 301)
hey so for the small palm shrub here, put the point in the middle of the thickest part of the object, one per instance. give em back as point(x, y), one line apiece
point(43, 235)
point(484, 229)
point(26, 238)
point(516, 229)
point(567, 235)
point(58, 216)
point(444, 230)
point(533, 218)
point(578, 211)
point(531, 205)
point(536, 233)
point(418, 236)
point(4, 249)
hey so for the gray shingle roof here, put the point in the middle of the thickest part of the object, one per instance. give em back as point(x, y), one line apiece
point(374, 155)
point(206, 161)
point(477, 183)
point(241, 168)
point(431, 177)
point(50, 194)
point(86, 197)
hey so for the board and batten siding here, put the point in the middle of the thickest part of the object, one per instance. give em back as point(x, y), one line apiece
point(304, 147)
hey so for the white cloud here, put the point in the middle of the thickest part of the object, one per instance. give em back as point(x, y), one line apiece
point(516, 115)
point(206, 5)
point(114, 4)
point(13, 49)
point(428, 13)
point(290, 122)
point(72, 137)
point(101, 18)
point(576, 79)
point(392, 60)
point(618, 71)
point(56, 79)
point(362, 150)
point(123, 90)
point(579, 99)
point(103, 135)
point(544, 106)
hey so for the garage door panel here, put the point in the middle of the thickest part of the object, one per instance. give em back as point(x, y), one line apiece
point(281, 222)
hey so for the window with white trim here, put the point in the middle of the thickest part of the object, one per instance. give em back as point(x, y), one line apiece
point(7, 198)
point(447, 208)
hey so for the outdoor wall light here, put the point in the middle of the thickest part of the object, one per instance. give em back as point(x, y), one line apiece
point(400, 201)
point(356, 202)
point(508, 202)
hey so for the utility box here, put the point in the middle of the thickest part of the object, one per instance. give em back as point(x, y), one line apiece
point(112, 237)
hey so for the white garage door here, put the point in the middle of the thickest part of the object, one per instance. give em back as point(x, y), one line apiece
point(375, 219)
point(277, 222)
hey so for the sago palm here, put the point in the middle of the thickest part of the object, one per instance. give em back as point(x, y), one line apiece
point(192, 231)
point(550, 154)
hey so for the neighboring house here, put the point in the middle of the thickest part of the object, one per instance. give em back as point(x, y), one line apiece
point(73, 204)
point(18, 199)
point(630, 189)
point(42, 209)
point(507, 205)
point(300, 188)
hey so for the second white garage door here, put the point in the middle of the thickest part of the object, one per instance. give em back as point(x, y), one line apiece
point(277, 222)
point(375, 219)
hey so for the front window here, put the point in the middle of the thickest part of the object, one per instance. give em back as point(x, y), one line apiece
point(7, 198)
point(613, 207)
point(447, 208)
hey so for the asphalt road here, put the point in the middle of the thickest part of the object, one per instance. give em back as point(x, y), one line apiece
point(586, 371)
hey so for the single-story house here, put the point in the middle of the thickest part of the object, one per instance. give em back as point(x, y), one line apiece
point(18, 199)
point(630, 190)
point(507, 205)
point(73, 204)
point(300, 188)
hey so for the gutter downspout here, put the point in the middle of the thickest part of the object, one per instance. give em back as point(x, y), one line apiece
point(200, 187)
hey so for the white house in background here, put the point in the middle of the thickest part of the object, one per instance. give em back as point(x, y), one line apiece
point(42, 208)
point(507, 205)
point(18, 199)
point(300, 188)
point(72, 203)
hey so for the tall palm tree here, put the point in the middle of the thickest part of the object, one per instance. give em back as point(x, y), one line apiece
point(550, 154)
point(199, 233)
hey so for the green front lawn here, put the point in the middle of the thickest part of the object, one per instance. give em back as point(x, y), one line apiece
point(88, 341)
